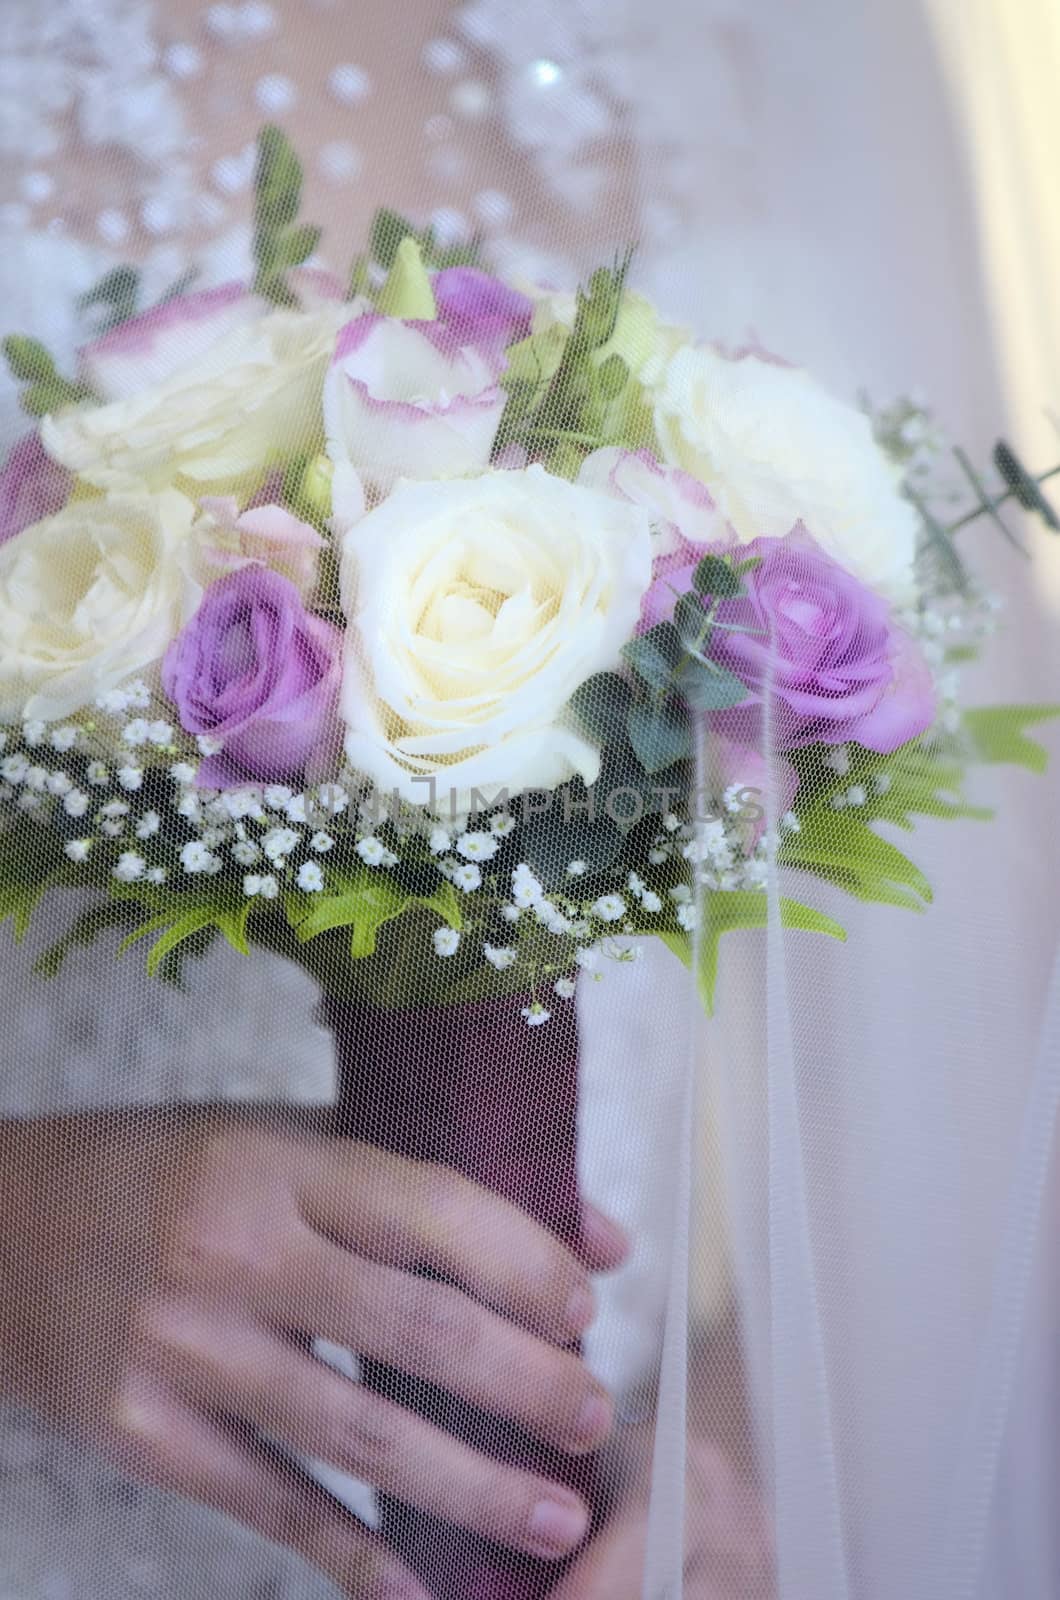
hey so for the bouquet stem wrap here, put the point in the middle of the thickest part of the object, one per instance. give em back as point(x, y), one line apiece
point(471, 1087)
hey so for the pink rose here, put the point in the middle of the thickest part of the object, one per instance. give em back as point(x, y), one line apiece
point(254, 669)
point(481, 310)
point(822, 646)
point(32, 487)
point(266, 533)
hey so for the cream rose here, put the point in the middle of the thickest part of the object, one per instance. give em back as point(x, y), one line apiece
point(774, 448)
point(476, 607)
point(212, 394)
point(89, 597)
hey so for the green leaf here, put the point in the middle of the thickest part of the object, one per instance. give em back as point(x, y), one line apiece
point(727, 909)
point(277, 181)
point(1023, 484)
point(714, 575)
point(185, 916)
point(84, 931)
point(297, 244)
point(27, 359)
point(367, 901)
point(120, 290)
point(656, 655)
point(601, 705)
point(841, 847)
point(659, 734)
point(613, 377)
point(997, 734)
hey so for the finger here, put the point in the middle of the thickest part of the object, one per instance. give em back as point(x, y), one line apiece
point(303, 1404)
point(413, 1214)
point(435, 1332)
point(167, 1444)
point(612, 1565)
point(604, 1244)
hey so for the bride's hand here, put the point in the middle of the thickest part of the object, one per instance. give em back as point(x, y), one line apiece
point(161, 1271)
point(727, 1544)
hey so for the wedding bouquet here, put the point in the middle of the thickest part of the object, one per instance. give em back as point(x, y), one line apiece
point(451, 636)
point(515, 621)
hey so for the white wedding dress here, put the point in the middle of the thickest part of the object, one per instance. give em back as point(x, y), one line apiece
point(779, 152)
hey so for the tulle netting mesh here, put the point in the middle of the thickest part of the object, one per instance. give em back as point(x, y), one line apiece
point(295, 1253)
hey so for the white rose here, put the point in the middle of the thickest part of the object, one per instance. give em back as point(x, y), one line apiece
point(775, 448)
point(89, 597)
point(213, 393)
point(476, 607)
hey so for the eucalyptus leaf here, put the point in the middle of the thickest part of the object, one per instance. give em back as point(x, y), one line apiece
point(601, 705)
point(709, 687)
point(659, 734)
point(655, 655)
point(716, 576)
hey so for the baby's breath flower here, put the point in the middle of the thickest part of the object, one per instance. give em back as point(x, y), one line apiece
point(609, 907)
point(510, 913)
point(467, 876)
point(160, 734)
point(446, 941)
point(3, 739)
point(276, 796)
point(310, 877)
point(321, 842)
point(114, 808)
point(635, 885)
point(535, 1014)
point(14, 768)
point(500, 956)
point(650, 901)
point(477, 846)
point(136, 732)
point(278, 843)
point(29, 800)
point(37, 778)
point(588, 960)
point(138, 694)
point(182, 772)
point(565, 988)
point(856, 795)
point(687, 917)
point(155, 875)
point(657, 857)
point(438, 841)
point(838, 761)
point(59, 783)
point(295, 809)
point(576, 869)
point(148, 825)
point(502, 825)
point(128, 867)
point(374, 853)
point(527, 890)
point(77, 849)
point(196, 857)
point(189, 806)
point(246, 852)
point(113, 702)
point(64, 738)
point(880, 783)
point(75, 804)
point(208, 744)
point(34, 733)
point(131, 778)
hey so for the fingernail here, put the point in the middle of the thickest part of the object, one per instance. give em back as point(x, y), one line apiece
point(594, 1418)
point(581, 1308)
point(603, 1236)
point(557, 1525)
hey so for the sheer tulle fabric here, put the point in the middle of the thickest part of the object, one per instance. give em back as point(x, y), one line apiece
point(834, 1347)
